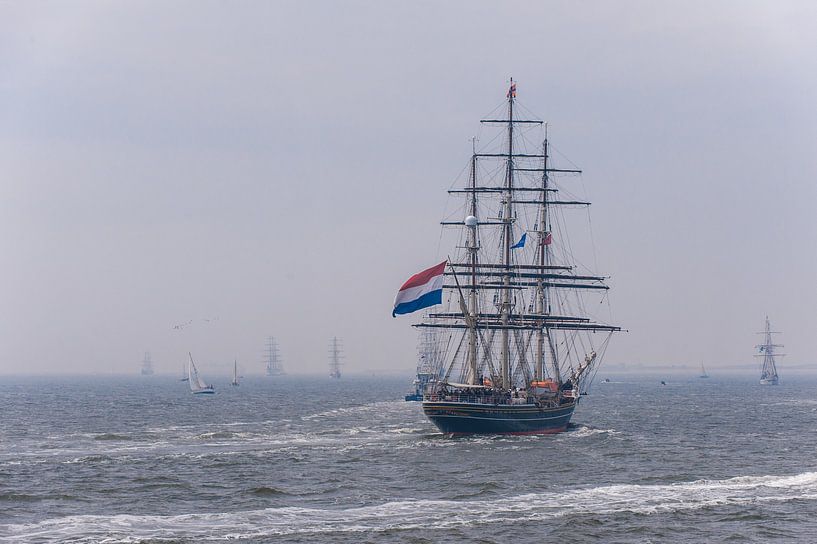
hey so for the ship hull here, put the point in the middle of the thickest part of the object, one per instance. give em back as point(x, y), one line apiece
point(463, 418)
point(768, 381)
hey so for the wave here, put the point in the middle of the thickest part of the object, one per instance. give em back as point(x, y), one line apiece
point(198, 443)
point(112, 436)
point(264, 491)
point(378, 407)
point(582, 431)
point(412, 514)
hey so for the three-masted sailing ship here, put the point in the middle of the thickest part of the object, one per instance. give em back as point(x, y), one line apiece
point(429, 365)
point(335, 356)
point(518, 340)
point(147, 365)
point(272, 358)
point(234, 382)
point(767, 350)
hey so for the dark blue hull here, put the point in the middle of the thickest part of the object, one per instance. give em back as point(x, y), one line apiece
point(457, 418)
point(414, 397)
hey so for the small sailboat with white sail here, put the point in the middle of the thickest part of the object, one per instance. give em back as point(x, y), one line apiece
point(197, 385)
point(703, 375)
point(235, 374)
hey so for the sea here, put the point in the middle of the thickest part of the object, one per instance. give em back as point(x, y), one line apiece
point(300, 459)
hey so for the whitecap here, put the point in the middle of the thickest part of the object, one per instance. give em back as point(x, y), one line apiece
point(410, 514)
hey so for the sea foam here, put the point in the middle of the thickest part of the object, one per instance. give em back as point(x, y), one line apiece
point(410, 514)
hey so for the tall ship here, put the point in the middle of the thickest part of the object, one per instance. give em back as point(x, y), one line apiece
point(518, 342)
point(234, 382)
point(768, 351)
point(429, 364)
point(335, 356)
point(147, 365)
point(272, 358)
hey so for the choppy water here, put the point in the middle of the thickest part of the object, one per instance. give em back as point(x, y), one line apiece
point(297, 460)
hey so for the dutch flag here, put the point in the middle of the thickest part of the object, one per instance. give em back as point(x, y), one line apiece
point(422, 290)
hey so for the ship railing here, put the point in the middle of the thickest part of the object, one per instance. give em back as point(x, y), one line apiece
point(477, 399)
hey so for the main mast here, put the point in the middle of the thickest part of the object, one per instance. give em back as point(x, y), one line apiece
point(543, 250)
point(472, 224)
point(507, 220)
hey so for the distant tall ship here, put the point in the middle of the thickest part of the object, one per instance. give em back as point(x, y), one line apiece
point(147, 365)
point(768, 351)
point(335, 355)
point(703, 372)
point(272, 358)
point(234, 381)
point(518, 343)
point(429, 365)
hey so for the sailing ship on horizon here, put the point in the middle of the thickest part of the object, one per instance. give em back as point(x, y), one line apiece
point(272, 358)
point(234, 381)
point(335, 356)
point(147, 365)
point(768, 351)
point(518, 342)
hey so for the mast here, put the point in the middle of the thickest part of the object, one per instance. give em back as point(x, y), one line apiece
point(544, 240)
point(507, 236)
point(542, 250)
point(473, 249)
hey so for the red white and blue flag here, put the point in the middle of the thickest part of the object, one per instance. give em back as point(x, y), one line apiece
point(422, 290)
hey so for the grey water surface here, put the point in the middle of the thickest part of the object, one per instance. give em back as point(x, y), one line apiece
point(295, 459)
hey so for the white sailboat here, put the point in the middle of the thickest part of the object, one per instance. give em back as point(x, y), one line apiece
point(235, 374)
point(197, 385)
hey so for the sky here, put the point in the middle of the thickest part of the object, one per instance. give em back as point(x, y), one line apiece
point(280, 168)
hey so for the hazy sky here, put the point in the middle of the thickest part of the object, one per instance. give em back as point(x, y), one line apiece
point(282, 166)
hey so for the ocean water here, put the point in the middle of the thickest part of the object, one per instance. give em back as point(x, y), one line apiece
point(312, 460)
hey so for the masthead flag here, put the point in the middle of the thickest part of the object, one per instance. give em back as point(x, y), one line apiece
point(512, 90)
point(422, 290)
